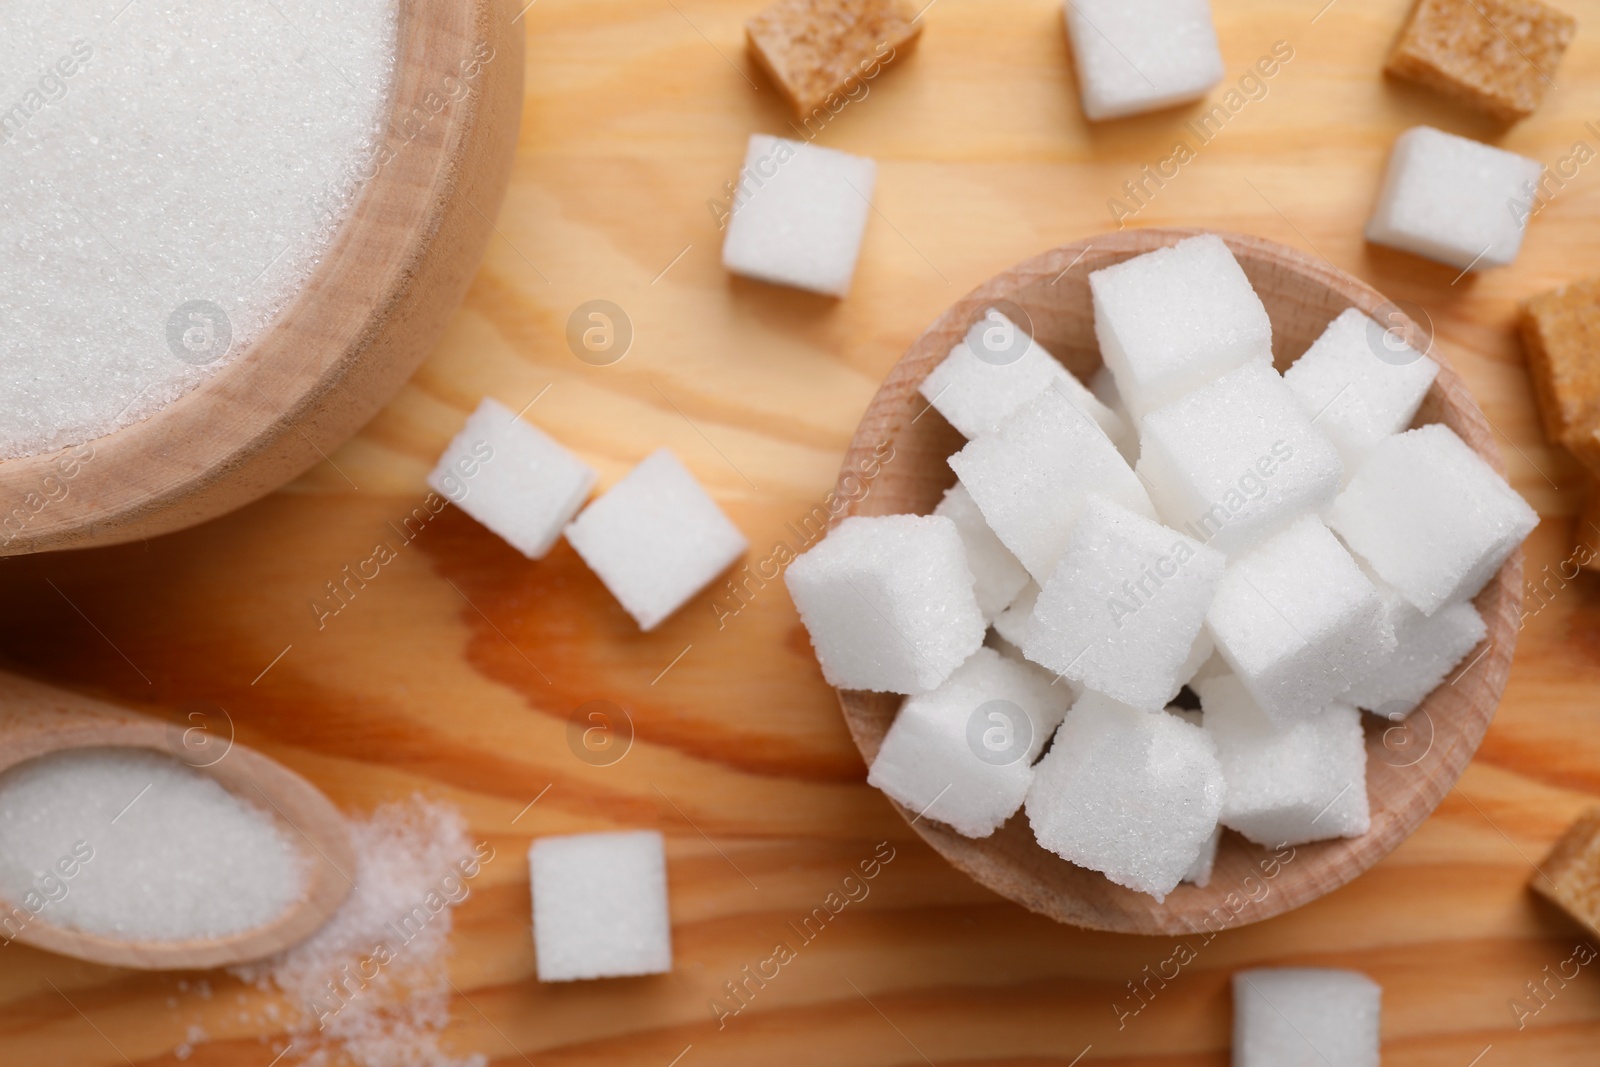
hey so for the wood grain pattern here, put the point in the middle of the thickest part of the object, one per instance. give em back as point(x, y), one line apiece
point(1410, 767)
point(37, 720)
point(429, 677)
point(369, 313)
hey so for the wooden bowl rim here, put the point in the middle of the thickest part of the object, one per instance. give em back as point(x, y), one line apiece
point(299, 808)
point(313, 351)
point(1312, 870)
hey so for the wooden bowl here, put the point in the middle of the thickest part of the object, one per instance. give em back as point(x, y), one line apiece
point(37, 719)
point(370, 312)
point(1410, 766)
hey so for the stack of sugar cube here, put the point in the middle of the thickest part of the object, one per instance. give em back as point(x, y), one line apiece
point(1286, 546)
point(655, 539)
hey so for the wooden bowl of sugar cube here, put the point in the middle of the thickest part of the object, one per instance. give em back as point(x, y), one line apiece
point(256, 225)
point(1222, 602)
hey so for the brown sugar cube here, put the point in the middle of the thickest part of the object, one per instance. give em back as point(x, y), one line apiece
point(1497, 55)
point(1561, 333)
point(1571, 873)
point(819, 51)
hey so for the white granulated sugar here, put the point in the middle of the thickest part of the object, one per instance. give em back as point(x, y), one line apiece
point(799, 215)
point(1431, 517)
point(1131, 794)
point(997, 577)
point(1454, 200)
point(513, 478)
point(1237, 460)
point(600, 905)
point(1298, 621)
point(1140, 55)
point(656, 538)
point(1125, 606)
point(1360, 383)
point(1031, 478)
point(371, 986)
point(1173, 319)
point(1427, 649)
point(160, 153)
point(1305, 1017)
point(1287, 783)
point(963, 754)
point(134, 845)
point(888, 602)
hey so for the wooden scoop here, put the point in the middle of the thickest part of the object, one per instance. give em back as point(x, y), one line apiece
point(36, 719)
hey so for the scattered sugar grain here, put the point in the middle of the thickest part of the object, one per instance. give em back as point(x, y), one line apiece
point(409, 855)
point(156, 850)
point(194, 152)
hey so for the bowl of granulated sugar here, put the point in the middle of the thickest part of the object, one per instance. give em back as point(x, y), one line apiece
point(231, 233)
point(1187, 586)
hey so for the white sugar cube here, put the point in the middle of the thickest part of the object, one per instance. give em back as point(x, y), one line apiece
point(1360, 383)
point(1201, 652)
point(1287, 783)
point(1431, 517)
point(1122, 612)
point(888, 602)
point(996, 370)
point(1141, 55)
point(1237, 460)
point(600, 905)
point(1173, 319)
point(1199, 872)
point(1305, 1017)
point(656, 538)
point(1427, 648)
point(1298, 621)
point(1127, 793)
point(1454, 200)
point(997, 577)
point(1012, 624)
point(963, 754)
point(513, 478)
point(799, 215)
point(1031, 477)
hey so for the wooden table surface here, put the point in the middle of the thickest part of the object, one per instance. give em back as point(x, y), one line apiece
point(454, 673)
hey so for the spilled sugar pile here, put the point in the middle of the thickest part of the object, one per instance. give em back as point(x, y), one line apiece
point(171, 173)
point(373, 985)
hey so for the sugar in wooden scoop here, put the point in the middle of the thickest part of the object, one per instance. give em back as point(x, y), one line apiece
point(171, 173)
point(135, 845)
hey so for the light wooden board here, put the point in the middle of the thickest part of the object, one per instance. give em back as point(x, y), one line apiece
point(454, 672)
